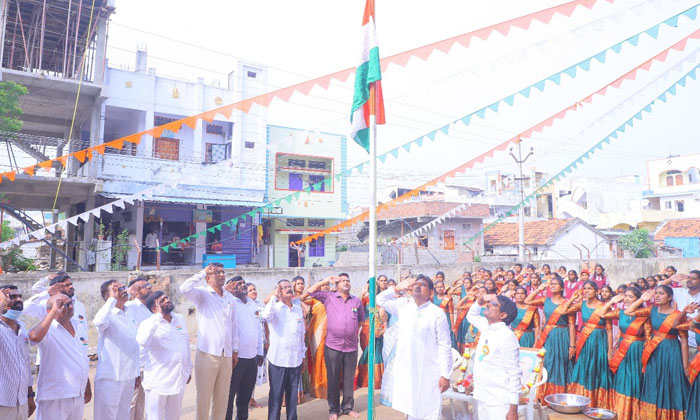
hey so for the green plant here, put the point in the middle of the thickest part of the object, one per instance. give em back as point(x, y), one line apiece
point(10, 111)
point(13, 259)
point(477, 258)
point(639, 243)
point(7, 231)
point(120, 249)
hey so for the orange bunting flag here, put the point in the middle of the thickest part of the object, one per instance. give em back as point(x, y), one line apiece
point(100, 149)
point(63, 160)
point(156, 131)
point(191, 122)
point(80, 156)
point(88, 153)
point(210, 115)
point(117, 144)
point(10, 175)
point(47, 165)
point(134, 138)
point(29, 170)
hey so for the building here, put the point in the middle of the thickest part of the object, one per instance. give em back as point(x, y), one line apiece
point(549, 239)
point(442, 242)
point(296, 160)
point(674, 184)
point(680, 233)
point(612, 204)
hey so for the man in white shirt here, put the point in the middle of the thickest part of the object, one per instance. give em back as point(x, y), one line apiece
point(286, 353)
point(497, 359)
point(118, 354)
point(683, 296)
point(423, 349)
point(63, 387)
point(150, 243)
point(250, 349)
point(167, 368)
point(16, 394)
point(59, 283)
point(139, 290)
point(216, 340)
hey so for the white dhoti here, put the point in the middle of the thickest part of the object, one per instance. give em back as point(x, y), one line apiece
point(491, 412)
point(18, 412)
point(63, 409)
point(113, 399)
point(163, 407)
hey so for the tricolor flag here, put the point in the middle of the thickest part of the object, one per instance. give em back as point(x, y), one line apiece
point(367, 79)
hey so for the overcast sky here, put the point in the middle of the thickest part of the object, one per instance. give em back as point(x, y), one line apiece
point(303, 39)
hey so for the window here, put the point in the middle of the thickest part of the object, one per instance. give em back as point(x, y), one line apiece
point(252, 74)
point(423, 241)
point(449, 240)
point(250, 145)
point(679, 179)
point(159, 120)
point(317, 247)
point(317, 223)
point(668, 205)
point(680, 206)
point(215, 153)
point(693, 175)
point(296, 182)
point(215, 129)
point(165, 148)
point(466, 226)
point(315, 164)
point(295, 222)
point(669, 180)
point(297, 163)
point(315, 179)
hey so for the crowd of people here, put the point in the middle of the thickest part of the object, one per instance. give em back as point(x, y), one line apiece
point(633, 350)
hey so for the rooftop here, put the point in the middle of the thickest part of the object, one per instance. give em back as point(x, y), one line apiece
point(678, 228)
point(431, 209)
point(540, 232)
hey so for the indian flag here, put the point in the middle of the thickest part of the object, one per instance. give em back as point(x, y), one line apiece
point(367, 99)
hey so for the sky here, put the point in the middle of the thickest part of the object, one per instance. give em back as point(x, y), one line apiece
point(303, 39)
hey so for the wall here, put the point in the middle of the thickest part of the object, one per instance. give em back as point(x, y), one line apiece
point(578, 235)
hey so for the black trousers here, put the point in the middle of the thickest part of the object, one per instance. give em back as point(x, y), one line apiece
point(283, 382)
point(340, 369)
point(242, 384)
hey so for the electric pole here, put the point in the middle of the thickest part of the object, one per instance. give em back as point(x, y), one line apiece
point(521, 210)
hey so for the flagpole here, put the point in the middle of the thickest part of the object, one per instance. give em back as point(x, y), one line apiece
point(372, 247)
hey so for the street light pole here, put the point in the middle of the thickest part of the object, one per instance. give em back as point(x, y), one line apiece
point(521, 210)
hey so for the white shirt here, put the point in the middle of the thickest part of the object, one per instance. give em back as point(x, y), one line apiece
point(64, 364)
point(117, 349)
point(15, 371)
point(139, 312)
point(424, 352)
point(682, 298)
point(165, 344)
point(496, 374)
point(250, 332)
point(286, 327)
point(216, 326)
point(151, 239)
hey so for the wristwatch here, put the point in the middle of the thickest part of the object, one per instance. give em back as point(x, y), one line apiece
point(31, 394)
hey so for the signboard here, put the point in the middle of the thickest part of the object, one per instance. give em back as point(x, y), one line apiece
point(202, 216)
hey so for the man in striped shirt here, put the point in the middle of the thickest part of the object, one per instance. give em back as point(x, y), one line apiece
point(16, 394)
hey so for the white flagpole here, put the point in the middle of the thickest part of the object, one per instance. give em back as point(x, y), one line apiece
point(372, 253)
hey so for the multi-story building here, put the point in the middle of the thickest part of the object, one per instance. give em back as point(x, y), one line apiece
point(674, 184)
point(296, 160)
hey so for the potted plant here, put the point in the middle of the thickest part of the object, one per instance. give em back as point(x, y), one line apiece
point(101, 232)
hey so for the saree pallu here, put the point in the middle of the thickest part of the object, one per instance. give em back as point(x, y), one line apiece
point(523, 325)
point(665, 388)
point(446, 306)
point(627, 386)
point(693, 408)
point(557, 362)
point(315, 343)
point(527, 339)
point(390, 338)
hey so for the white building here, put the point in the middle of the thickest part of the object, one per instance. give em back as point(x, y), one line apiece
point(674, 184)
point(549, 239)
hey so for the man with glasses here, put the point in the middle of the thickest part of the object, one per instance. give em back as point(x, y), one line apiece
point(139, 291)
point(497, 358)
point(63, 387)
point(423, 349)
point(16, 394)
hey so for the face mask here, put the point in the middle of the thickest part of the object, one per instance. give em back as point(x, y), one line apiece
point(12, 314)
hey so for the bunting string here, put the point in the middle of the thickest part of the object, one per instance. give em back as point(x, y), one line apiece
point(613, 135)
point(424, 52)
point(539, 127)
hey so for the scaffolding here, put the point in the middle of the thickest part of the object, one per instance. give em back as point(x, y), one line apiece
point(51, 37)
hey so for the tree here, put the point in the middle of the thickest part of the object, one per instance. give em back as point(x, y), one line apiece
point(639, 243)
point(10, 111)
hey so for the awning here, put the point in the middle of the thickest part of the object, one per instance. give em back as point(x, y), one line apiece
point(301, 232)
point(187, 200)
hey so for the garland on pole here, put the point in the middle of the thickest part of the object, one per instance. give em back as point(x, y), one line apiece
point(631, 75)
point(304, 88)
point(638, 116)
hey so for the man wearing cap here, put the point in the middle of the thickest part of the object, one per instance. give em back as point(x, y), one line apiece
point(497, 358)
point(63, 387)
point(60, 283)
point(139, 291)
point(216, 340)
point(168, 366)
point(16, 394)
point(423, 349)
point(118, 354)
